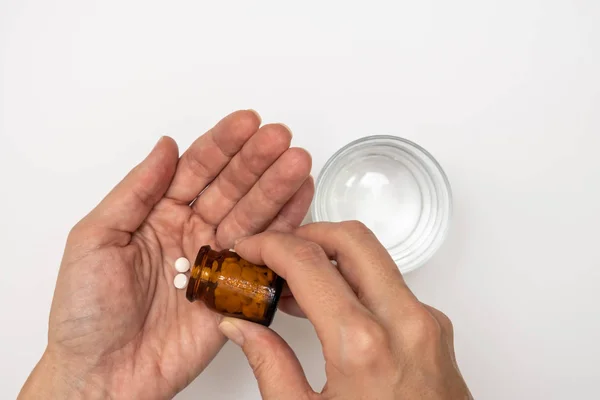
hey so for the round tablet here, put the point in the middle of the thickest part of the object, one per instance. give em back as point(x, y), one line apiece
point(180, 281)
point(182, 264)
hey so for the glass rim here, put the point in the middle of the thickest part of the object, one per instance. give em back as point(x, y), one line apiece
point(434, 171)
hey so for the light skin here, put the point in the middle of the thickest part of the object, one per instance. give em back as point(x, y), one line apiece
point(379, 341)
point(119, 329)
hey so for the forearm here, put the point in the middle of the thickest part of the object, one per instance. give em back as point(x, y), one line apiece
point(52, 378)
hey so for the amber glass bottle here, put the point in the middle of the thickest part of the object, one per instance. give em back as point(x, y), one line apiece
point(234, 287)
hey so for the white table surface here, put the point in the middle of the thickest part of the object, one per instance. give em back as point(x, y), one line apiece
point(505, 94)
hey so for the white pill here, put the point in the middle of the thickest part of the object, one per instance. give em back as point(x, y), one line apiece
point(182, 264)
point(180, 281)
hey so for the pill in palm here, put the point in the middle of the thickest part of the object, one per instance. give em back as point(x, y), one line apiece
point(182, 264)
point(180, 281)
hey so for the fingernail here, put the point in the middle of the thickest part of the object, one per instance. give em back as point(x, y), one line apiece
point(257, 114)
point(232, 332)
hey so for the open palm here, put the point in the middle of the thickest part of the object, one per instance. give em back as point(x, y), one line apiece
point(117, 322)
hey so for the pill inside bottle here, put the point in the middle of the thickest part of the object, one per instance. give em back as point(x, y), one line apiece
point(233, 286)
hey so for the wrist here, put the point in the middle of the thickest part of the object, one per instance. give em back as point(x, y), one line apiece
point(55, 377)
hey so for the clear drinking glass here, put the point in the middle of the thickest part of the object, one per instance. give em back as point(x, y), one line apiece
point(393, 186)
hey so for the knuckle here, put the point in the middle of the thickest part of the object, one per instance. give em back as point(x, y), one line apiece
point(356, 229)
point(442, 319)
point(367, 344)
point(261, 365)
point(308, 252)
point(264, 354)
point(251, 160)
point(422, 329)
point(445, 322)
point(144, 196)
point(274, 194)
point(239, 224)
point(196, 165)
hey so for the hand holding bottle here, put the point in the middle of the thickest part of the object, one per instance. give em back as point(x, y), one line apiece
point(379, 341)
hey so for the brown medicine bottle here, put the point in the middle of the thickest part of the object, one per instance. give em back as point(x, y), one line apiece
point(234, 287)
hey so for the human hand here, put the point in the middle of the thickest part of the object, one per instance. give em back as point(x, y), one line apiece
point(378, 340)
point(118, 327)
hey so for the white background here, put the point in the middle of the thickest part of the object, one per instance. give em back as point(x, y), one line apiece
point(505, 94)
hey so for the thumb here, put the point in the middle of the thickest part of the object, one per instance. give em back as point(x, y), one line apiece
point(276, 367)
point(128, 204)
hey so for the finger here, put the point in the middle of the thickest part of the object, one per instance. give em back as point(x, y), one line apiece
point(210, 153)
point(294, 211)
point(290, 306)
point(319, 289)
point(445, 324)
point(242, 172)
point(268, 196)
point(123, 210)
point(275, 366)
point(365, 264)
